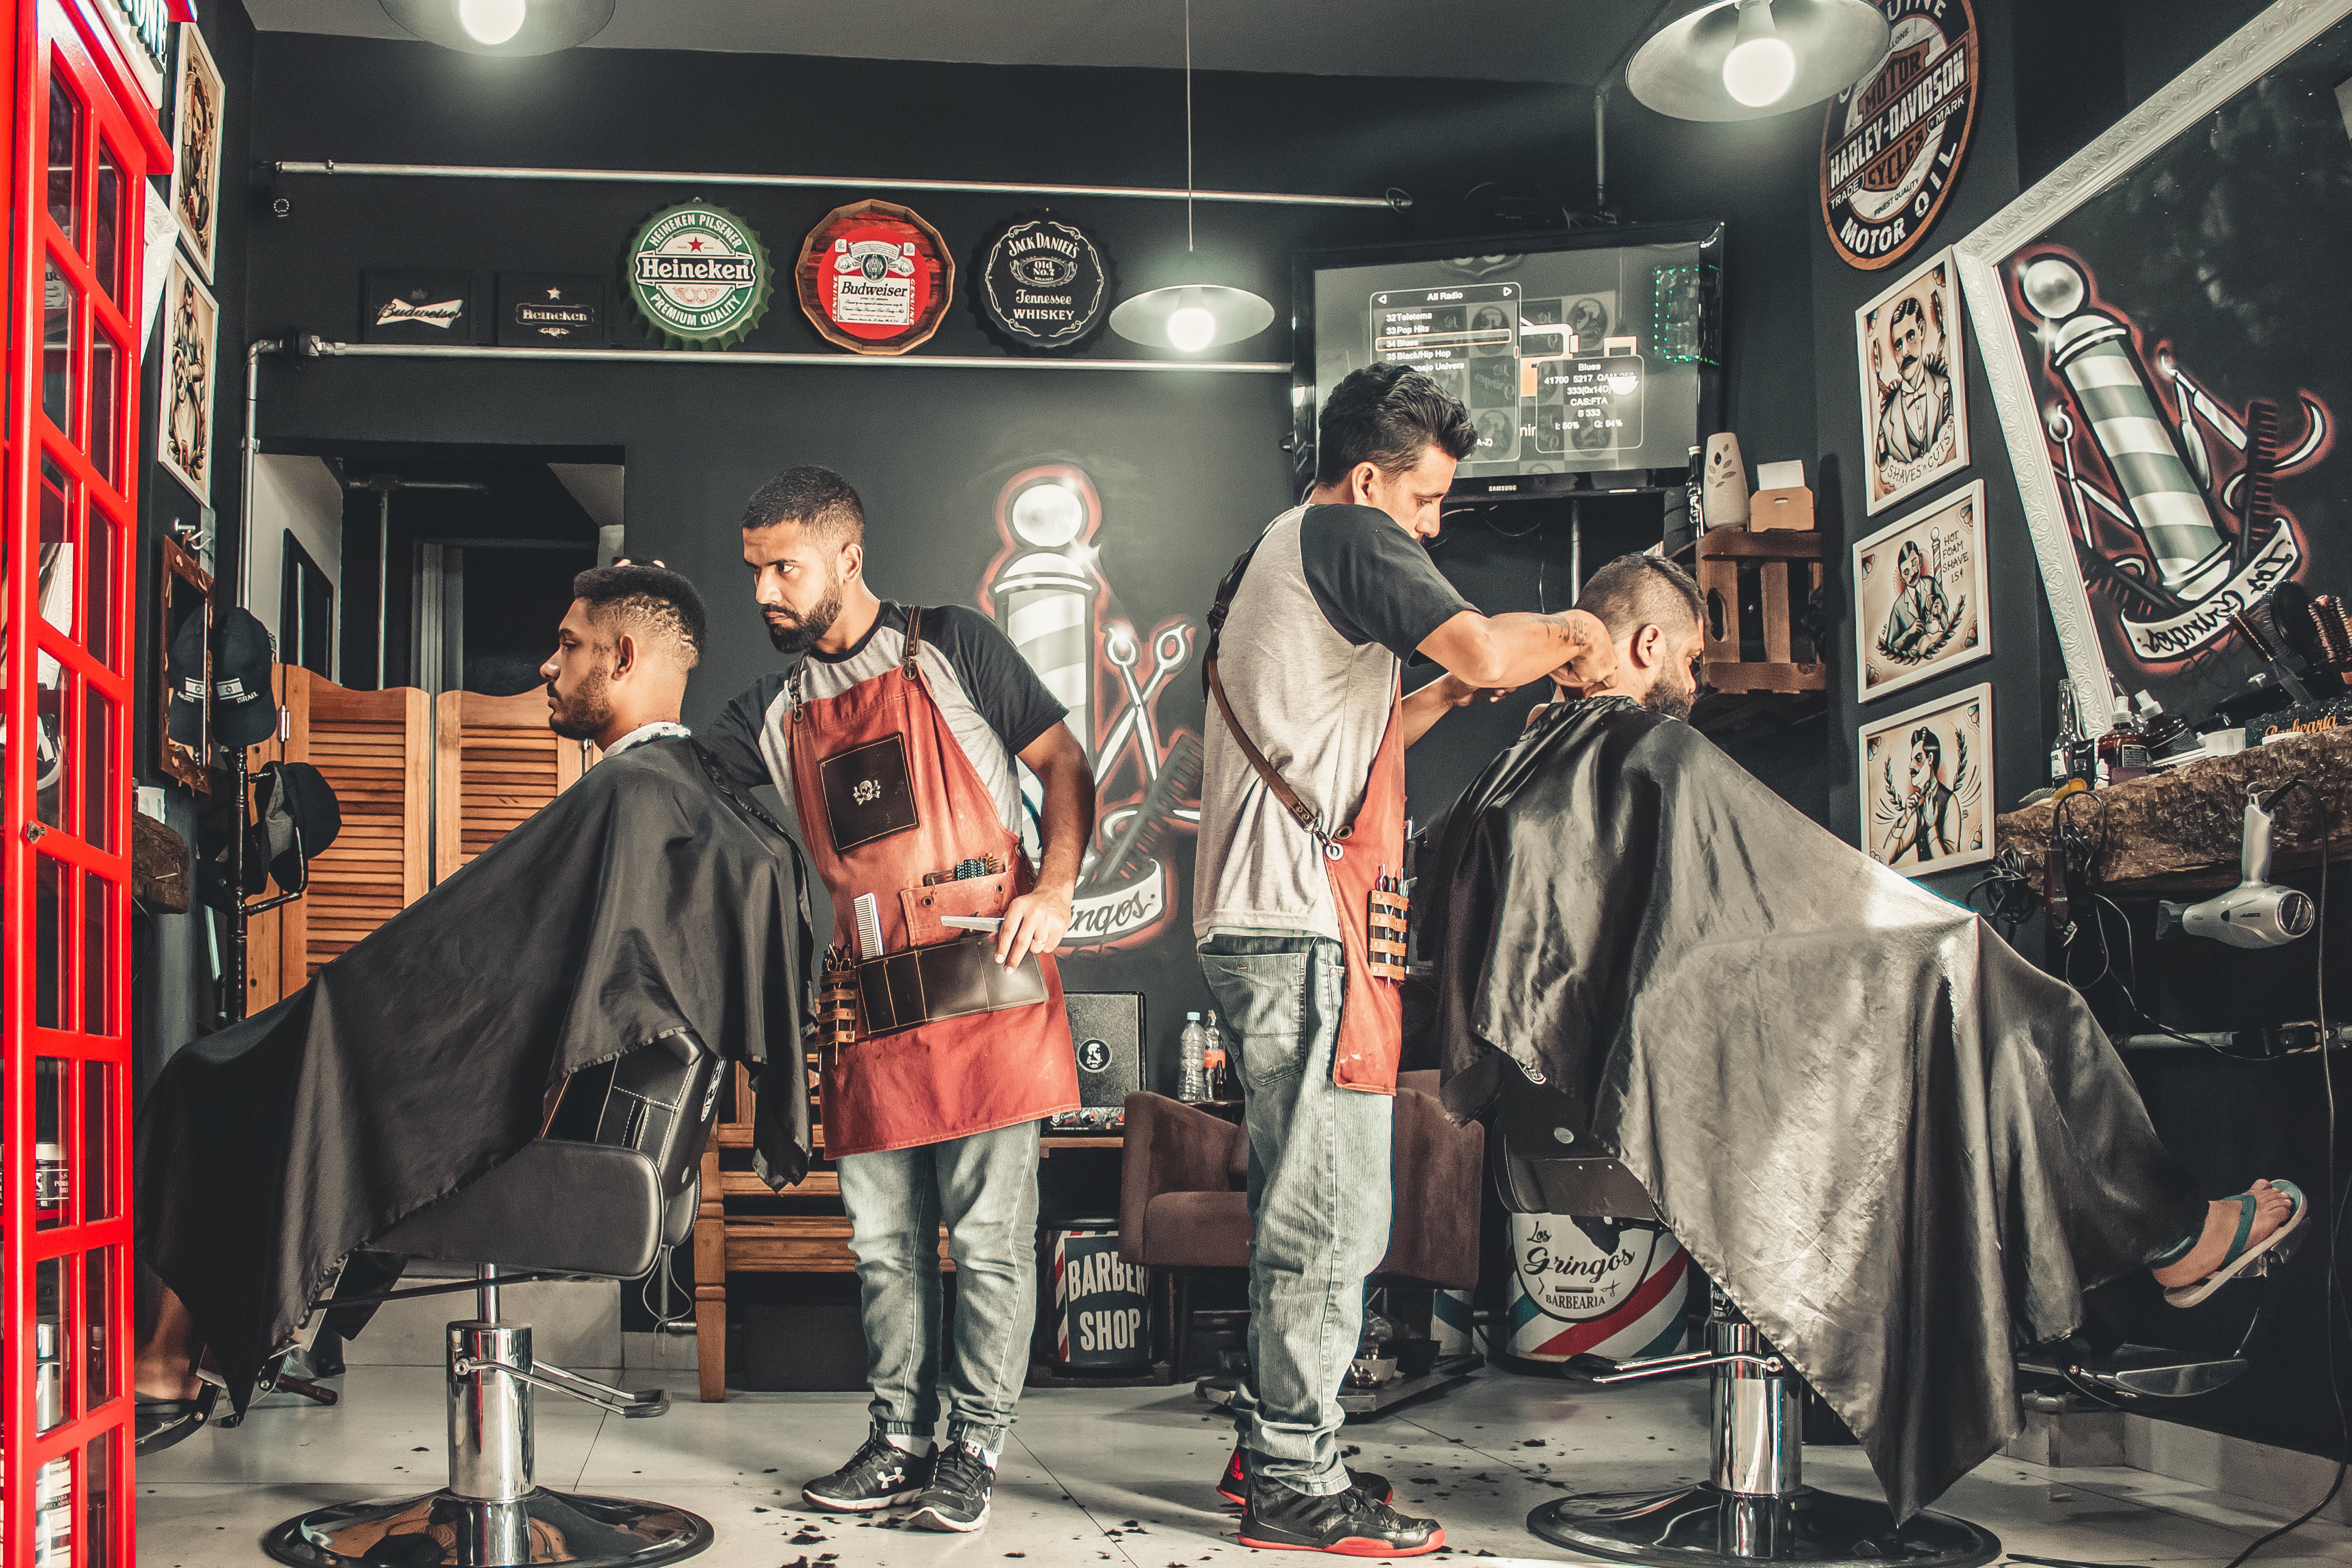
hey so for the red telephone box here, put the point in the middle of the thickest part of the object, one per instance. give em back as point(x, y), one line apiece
point(80, 142)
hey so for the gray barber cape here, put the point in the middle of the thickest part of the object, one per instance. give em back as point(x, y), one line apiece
point(1901, 1149)
point(644, 900)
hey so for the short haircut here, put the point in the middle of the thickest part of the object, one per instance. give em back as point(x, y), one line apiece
point(819, 500)
point(653, 601)
point(1385, 415)
point(1926, 740)
point(1636, 591)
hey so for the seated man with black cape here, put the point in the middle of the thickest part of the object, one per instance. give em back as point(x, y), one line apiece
point(649, 900)
point(1901, 1149)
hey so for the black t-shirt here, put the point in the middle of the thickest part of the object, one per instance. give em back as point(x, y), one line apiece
point(1374, 580)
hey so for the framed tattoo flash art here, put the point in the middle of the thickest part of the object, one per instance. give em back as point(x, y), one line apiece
point(1925, 777)
point(196, 135)
point(185, 433)
point(1919, 595)
point(1915, 407)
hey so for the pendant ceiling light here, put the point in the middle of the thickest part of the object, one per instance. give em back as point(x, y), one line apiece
point(502, 26)
point(1745, 59)
point(1191, 316)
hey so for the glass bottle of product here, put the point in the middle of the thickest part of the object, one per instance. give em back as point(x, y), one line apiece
point(1192, 1072)
point(1213, 1061)
point(2157, 728)
point(2062, 750)
point(2123, 751)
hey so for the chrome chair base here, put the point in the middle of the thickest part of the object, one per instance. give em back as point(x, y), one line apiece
point(1702, 1526)
point(439, 1530)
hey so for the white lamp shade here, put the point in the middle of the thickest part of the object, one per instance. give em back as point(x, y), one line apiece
point(1171, 318)
point(546, 25)
point(1680, 71)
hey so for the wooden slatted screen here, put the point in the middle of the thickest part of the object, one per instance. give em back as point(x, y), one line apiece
point(372, 748)
point(496, 763)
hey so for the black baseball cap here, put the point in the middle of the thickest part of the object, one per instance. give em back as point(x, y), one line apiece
point(187, 675)
point(245, 711)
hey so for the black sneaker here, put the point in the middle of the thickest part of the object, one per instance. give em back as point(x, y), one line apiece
point(1349, 1523)
point(878, 1475)
point(956, 1497)
point(1235, 1486)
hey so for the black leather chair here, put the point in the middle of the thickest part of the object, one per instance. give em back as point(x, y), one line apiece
point(560, 1209)
point(1754, 1506)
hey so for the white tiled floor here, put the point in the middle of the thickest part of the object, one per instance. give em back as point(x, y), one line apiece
point(1116, 1476)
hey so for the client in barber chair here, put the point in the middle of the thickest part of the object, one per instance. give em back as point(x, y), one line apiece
point(1900, 1149)
point(649, 900)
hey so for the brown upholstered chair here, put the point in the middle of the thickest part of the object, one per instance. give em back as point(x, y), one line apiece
point(1183, 1207)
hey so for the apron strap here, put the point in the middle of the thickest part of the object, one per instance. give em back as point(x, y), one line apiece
point(913, 639)
point(1300, 812)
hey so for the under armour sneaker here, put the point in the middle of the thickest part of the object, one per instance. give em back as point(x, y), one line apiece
point(877, 1476)
point(1235, 1486)
point(956, 1497)
point(1349, 1523)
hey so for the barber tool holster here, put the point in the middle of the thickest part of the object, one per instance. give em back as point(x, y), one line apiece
point(1364, 861)
point(923, 1035)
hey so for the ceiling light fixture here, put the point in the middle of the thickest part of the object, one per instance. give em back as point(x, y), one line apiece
point(1745, 59)
point(502, 26)
point(1191, 316)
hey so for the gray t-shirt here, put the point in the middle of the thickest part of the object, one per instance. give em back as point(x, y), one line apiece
point(1334, 599)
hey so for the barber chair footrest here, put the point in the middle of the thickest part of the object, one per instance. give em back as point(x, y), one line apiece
point(1707, 1528)
point(439, 1530)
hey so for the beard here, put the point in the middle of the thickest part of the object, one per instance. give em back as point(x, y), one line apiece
point(585, 712)
point(1671, 698)
point(798, 634)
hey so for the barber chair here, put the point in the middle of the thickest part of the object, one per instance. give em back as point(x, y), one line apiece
point(1754, 1506)
point(560, 1209)
point(1184, 1207)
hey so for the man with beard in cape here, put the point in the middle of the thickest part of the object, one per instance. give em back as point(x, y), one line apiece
point(648, 901)
point(1899, 1149)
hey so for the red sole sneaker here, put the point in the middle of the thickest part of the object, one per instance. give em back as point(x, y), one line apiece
point(1234, 1486)
point(1352, 1546)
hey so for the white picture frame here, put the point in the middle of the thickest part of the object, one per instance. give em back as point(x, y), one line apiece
point(183, 432)
point(1914, 428)
point(196, 109)
point(1941, 822)
point(1908, 631)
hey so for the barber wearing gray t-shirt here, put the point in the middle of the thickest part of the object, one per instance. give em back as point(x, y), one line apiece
point(1337, 594)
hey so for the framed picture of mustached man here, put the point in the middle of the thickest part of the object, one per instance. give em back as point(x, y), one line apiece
point(1919, 595)
point(1915, 385)
point(1925, 803)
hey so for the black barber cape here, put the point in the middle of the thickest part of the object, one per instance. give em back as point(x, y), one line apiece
point(1900, 1149)
point(641, 901)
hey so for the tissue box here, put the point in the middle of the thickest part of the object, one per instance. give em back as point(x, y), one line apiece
point(1788, 508)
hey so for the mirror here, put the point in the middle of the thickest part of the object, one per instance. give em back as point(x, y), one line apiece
point(185, 724)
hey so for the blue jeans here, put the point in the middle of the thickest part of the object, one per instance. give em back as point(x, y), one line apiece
point(985, 1188)
point(1319, 1197)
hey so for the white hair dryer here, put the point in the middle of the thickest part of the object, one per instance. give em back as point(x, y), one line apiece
point(2256, 912)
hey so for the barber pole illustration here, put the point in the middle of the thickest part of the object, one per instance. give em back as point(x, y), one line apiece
point(2158, 536)
point(1048, 590)
point(1595, 1287)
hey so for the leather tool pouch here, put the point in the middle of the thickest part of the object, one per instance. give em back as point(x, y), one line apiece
point(949, 980)
point(868, 793)
point(1385, 934)
point(836, 1002)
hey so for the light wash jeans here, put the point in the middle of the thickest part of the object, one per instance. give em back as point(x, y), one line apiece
point(985, 1188)
point(1318, 1196)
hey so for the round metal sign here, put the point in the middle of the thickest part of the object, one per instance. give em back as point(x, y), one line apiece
point(1044, 283)
point(700, 276)
point(1893, 142)
point(873, 278)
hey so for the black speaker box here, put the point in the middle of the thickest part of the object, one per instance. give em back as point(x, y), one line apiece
point(1106, 1030)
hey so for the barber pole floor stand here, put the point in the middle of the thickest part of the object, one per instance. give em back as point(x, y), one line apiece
point(1754, 1507)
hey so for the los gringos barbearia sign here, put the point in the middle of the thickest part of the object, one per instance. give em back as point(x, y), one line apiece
point(700, 276)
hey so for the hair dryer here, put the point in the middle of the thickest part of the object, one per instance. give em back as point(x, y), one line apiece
point(2256, 912)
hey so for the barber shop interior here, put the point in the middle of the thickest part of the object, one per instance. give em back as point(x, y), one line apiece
point(716, 843)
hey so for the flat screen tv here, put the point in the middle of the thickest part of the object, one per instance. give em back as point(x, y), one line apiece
point(1588, 358)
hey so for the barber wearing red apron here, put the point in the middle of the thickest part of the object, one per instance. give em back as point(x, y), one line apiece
point(942, 1044)
point(1302, 834)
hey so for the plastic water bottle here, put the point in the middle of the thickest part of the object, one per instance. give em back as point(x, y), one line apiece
point(1192, 1046)
point(1213, 1061)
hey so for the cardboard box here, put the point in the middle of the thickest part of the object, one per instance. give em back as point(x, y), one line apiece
point(1790, 508)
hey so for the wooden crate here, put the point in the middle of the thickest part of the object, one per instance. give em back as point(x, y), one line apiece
point(1784, 566)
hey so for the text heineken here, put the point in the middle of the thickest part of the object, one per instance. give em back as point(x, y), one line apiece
point(700, 276)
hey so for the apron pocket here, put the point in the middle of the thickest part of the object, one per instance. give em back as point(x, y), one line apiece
point(973, 896)
point(869, 793)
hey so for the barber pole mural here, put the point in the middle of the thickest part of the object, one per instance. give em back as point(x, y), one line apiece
point(1595, 1287)
point(2155, 470)
point(1046, 588)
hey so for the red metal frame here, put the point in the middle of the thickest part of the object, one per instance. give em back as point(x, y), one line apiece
point(82, 849)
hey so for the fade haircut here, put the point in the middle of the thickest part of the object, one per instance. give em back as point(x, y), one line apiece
point(818, 498)
point(653, 601)
point(1385, 415)
point(1636, 591)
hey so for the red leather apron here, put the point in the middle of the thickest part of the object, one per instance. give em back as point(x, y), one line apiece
point(954, 1077)
point(1371, 1010)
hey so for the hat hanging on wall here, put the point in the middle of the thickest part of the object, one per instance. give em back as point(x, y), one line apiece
point(1193, 314)
point(1746, 59)
point(502, 26)
point(245, 709)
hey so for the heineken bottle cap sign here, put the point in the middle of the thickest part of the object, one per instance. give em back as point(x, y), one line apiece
point(700, 278)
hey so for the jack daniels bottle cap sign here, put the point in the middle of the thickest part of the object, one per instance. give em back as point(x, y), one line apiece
point(699, 276)
point(1042, 283)
point(873, 278)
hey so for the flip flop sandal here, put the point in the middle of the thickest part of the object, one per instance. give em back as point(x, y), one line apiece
point(2240, 1257)
point(164, 1422)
